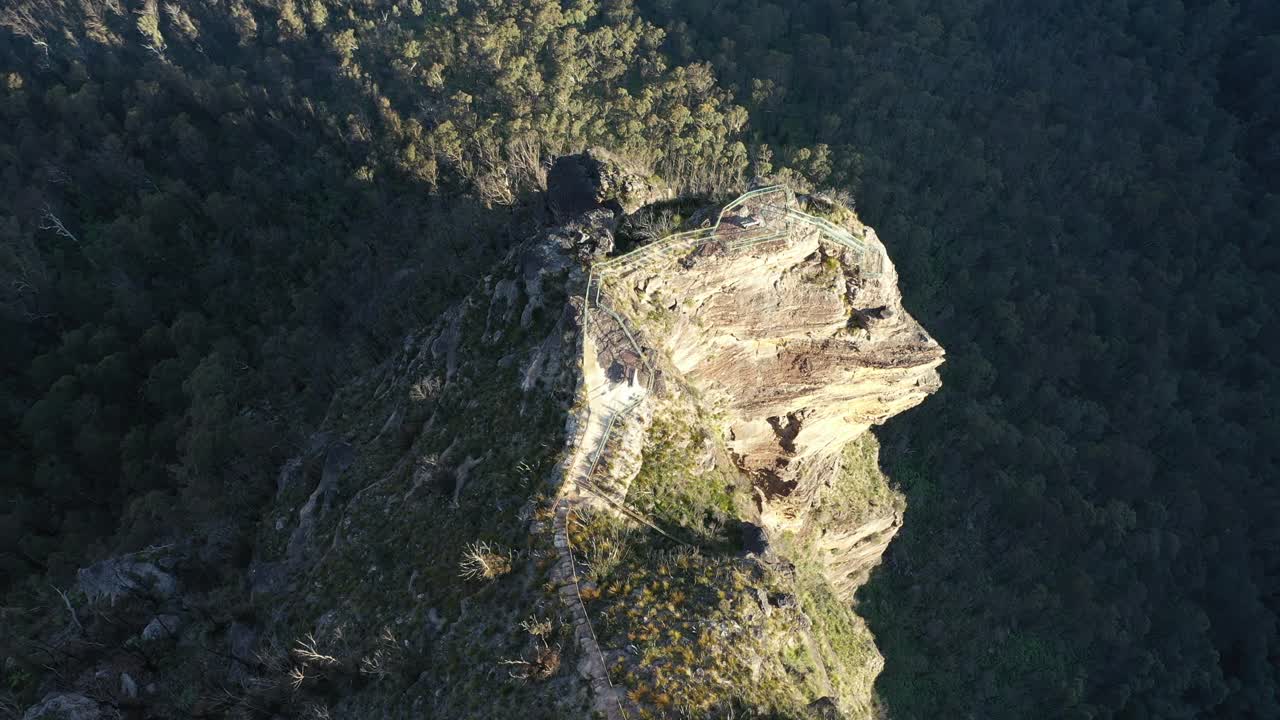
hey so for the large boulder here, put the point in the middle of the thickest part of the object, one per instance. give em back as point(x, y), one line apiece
point(143, 574)
point(64, 706)
point(589, 234)
point(242, 641)
point(595, 179)
point(824, 708)
point(161, 627)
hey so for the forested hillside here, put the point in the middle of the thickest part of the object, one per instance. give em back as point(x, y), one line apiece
point(212, 212)
point(1082, 198)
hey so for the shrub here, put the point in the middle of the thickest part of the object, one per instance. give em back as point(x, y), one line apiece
point(542, 664)
point(482, 561)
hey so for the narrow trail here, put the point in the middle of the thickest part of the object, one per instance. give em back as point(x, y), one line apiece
point(816, 653)
point(608, 400)
point(606, 698)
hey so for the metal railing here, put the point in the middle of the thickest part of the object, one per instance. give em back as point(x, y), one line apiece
point(582, 605)
point(690, 240)
point(870, 261)
point(608, 429)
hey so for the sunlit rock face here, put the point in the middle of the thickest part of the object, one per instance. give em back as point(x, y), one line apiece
point(801, 344)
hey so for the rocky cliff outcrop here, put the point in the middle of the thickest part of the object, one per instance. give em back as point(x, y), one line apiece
point(578, 184)
point(800, 344)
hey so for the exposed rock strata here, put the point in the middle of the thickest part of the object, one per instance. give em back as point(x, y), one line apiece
point(802, 348)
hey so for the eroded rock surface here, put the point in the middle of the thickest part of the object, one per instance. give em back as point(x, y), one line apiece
point(801, 344)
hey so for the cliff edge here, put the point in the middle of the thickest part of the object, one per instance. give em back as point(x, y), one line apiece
point(730, 372)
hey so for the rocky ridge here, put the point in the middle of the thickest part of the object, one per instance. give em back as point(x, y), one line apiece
point(720, 398)
point(800, 345)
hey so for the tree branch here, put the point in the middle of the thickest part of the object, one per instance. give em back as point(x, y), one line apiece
point(67, 601)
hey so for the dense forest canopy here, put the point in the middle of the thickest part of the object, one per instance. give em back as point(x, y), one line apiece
point(1082, 200)
point(214, 211)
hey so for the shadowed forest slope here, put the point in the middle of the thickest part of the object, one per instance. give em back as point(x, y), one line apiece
point(1082, 201)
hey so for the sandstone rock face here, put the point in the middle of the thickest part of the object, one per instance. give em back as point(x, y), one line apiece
point(801, 344)
point(851, 553)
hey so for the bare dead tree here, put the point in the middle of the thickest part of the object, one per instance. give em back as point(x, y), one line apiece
point(67, 601)
point(275, 660)
point(306, 649)
point(543, 663)
point(524, 159)
point(317, 712)
point(297, 676)
point(424, 389)
point(490, 174)
point(50, 221)
point(651, 225)
point(385, 658)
